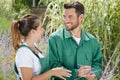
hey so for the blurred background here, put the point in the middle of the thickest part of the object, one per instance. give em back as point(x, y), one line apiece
point(102, 19)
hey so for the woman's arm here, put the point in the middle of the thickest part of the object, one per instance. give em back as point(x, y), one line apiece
point(58, 72)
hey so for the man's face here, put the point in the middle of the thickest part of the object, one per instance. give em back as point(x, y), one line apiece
point(71, 20)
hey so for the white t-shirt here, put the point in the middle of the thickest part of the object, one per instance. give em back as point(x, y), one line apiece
point(77, 39)
point(26, 58)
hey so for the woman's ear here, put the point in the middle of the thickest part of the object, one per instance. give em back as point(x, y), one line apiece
point(32, 31)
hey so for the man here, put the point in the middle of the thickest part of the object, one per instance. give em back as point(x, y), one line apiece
point(73, 48)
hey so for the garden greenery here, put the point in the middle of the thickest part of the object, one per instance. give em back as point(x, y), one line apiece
point(102, 19)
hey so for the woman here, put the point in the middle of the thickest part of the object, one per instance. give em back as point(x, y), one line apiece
point(25, 32)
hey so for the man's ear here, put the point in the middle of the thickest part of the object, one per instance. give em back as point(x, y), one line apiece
point(81, 17)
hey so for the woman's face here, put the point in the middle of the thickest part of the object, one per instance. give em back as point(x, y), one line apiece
point(38, 33)
point(40, 30)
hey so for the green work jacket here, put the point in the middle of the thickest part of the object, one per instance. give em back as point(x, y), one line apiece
point(63, 51)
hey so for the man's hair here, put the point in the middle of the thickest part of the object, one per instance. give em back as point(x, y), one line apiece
point(76, 5)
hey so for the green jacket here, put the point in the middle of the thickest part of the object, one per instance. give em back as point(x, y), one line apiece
point(62, 50)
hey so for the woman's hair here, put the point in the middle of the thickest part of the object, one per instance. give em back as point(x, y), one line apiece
point(22, 27)
point(79, 7)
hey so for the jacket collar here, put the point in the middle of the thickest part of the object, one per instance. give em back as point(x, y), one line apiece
point(84, 36)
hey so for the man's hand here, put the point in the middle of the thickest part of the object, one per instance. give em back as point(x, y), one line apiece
point(90, 76)
point(84, 70)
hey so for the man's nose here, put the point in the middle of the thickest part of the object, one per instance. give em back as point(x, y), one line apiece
point(66, 20)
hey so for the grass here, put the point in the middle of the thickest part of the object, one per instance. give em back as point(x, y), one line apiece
point(11, 76)
point(4, 23)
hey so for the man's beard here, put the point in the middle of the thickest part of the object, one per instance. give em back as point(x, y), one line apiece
point(73, 27)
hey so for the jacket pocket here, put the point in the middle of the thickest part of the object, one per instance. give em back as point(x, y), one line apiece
point(68, 58)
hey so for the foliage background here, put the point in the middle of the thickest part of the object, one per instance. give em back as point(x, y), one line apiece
point(102, 19)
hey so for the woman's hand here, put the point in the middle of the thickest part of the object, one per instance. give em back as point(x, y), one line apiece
point(61, 72)
point(58, 72)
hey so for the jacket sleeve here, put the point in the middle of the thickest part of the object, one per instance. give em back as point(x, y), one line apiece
point(97, 59)
point(51, 59)
point(52, 53)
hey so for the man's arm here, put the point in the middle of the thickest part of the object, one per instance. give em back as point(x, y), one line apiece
point(97, 61)
point(96, 66)
point(51, 59)
point(52, 53)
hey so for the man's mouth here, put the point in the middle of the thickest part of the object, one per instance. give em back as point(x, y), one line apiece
point(68, 24)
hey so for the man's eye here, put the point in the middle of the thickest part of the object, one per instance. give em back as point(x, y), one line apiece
point(63, 16)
